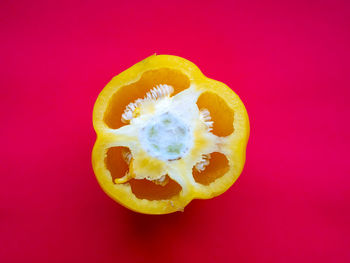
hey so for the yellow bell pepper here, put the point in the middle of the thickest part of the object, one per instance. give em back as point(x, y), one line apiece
point(166, 135)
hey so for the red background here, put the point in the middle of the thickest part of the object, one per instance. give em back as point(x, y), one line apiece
point(289, 62)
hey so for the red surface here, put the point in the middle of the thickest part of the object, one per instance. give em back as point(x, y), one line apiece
point(289, 62)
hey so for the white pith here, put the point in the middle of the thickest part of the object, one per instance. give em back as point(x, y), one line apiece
point(147, 112)
point(166, 137)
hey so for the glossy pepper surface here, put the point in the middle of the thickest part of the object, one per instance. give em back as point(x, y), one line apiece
point(166, 135)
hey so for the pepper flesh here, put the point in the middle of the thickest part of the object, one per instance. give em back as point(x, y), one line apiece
point(152, 182)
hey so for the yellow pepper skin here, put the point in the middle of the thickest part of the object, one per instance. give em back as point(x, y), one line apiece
point(210, 160)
